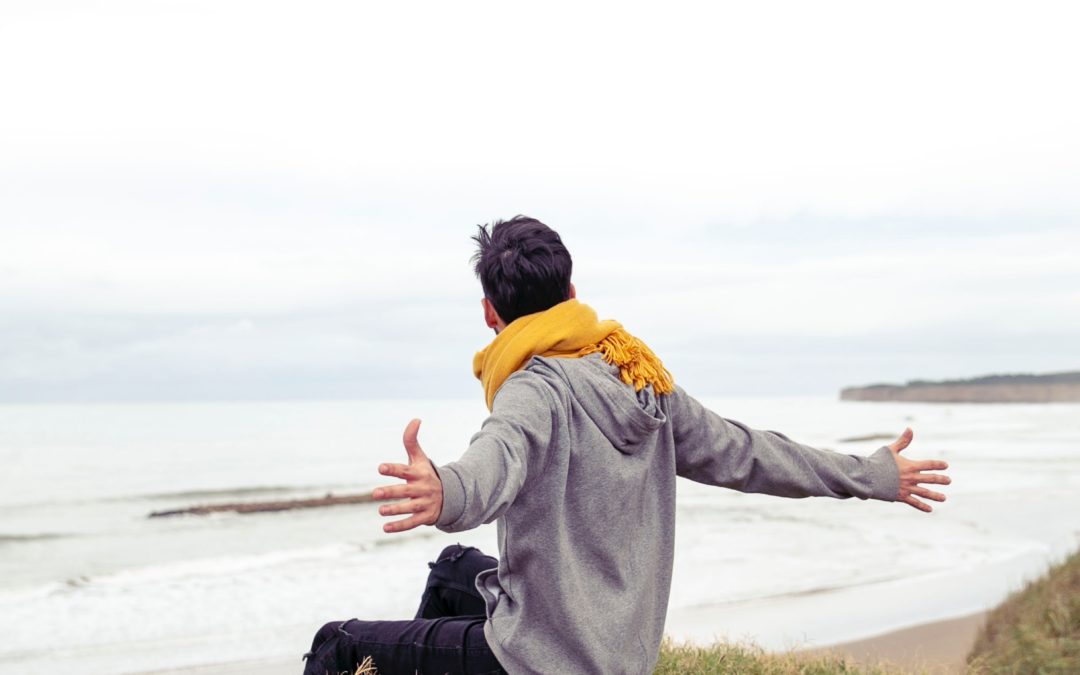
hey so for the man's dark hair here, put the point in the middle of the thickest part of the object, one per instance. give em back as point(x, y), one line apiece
point(522, 266)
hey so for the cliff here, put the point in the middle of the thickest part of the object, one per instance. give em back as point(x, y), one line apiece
point(1025, 388)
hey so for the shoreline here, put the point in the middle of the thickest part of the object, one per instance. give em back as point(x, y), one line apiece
point(937, 647)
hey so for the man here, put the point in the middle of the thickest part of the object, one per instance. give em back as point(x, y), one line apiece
point(577, 465)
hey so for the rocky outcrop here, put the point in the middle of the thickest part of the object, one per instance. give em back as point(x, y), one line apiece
point(266, 507)
point(1052, 388)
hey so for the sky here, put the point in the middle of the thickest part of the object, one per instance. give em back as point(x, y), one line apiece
point(260, 200)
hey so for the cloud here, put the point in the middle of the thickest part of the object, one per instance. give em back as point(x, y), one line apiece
point(249, 200)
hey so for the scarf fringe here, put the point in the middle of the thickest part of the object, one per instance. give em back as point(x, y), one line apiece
point(637, 364)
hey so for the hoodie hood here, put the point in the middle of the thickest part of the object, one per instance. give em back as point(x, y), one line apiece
point(624, 416)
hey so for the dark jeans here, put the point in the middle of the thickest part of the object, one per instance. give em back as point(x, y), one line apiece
point(447, 635)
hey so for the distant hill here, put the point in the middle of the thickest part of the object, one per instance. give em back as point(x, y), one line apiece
point(1019, 388)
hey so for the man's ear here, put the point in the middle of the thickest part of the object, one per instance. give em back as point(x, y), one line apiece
point(491, 317)
point(573, 292)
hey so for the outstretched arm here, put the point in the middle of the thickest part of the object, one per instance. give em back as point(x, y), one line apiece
point(717, 451)
point(514, 439)
point(477, 488)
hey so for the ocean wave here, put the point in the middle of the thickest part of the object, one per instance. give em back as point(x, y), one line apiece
point(208, 568)
point(189, 570)
point(30, 538)
point(761, 594)
point(240, 491)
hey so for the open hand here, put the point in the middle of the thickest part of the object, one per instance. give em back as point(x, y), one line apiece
point(913, 474)
point(422, 491)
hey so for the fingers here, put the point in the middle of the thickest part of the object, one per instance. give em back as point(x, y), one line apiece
point(403, 471)
point(930, 478)
point(928, 494)
point(902, 442)
point(398, 508)
point(395, 492)
point(422, 503)
point(412, 446)
point(910, 487)
point(931, 465)
point(405, 524)
point(917, 503)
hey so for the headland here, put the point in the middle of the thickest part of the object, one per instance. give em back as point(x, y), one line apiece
point(1019, 388)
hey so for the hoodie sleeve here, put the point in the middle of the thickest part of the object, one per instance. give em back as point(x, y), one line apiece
point(478, 487)
point(716, 451)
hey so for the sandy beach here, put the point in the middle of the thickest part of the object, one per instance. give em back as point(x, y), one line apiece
point(938, 648)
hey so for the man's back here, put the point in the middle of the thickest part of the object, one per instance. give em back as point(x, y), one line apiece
point(580, 470)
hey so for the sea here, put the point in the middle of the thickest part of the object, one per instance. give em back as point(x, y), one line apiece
point(90, 584)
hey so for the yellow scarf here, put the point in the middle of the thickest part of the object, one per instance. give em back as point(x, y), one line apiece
point(571, 330)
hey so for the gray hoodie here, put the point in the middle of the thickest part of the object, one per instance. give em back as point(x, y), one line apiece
point(579, 472)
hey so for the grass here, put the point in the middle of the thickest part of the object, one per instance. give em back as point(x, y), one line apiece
point(1037, 630)
point(725, 659)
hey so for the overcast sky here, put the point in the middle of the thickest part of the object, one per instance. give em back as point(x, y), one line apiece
point(229, 200)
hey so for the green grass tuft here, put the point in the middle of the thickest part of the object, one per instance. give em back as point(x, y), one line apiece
point(1036, 630)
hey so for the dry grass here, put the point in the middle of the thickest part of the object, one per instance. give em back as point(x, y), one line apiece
point(366, 668)
point(1036, 630)
point(729, 659)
